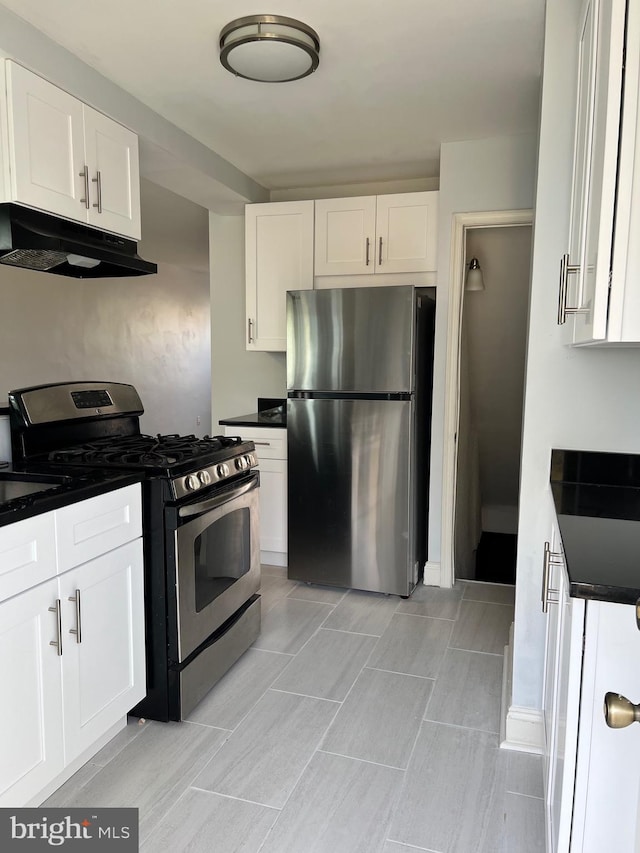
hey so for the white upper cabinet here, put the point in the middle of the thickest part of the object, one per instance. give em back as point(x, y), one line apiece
point(598, 288)
point(376, 234)
point(67, 159)
point(279, 257)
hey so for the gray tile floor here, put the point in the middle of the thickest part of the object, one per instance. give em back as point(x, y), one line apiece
point(357, 723)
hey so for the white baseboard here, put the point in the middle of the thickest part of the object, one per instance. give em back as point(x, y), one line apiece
point(273, 558)
point(521, 729)
point(432, 576)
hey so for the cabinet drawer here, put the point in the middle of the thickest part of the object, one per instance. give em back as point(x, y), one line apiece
point(93, 527)
point(27, 554)
point(270, 442)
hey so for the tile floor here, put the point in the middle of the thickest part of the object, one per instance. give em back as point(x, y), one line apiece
point(357, 723)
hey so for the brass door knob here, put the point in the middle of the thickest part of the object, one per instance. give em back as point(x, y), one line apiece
point(619, 712)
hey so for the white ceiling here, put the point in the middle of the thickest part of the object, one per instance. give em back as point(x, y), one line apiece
point(395, 79)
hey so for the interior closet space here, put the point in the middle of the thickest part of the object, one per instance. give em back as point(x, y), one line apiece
point(491, 390)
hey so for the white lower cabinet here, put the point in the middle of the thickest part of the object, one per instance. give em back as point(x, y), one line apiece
point(72, 656)
point(31, 746)
point(103, 644)
point(271, 450)
point(592, 783)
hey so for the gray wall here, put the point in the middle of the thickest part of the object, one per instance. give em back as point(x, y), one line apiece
point(152, 331)
point(495, 321)
point(583, 398)
point(480, 175)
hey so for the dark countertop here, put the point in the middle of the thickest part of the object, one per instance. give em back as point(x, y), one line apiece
point(272, 412)
point(597, 500)
point(21, 502)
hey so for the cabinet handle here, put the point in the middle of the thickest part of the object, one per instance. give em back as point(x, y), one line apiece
point(380, 253)
point(567, 269)
point(85, 174)
point(367, 244)
point(262, 443)
point(58, 611)
point(638, 614)
point(549, 595)
point(98, 180)
point(250, 336)
point(619, 712)
point(78, 629)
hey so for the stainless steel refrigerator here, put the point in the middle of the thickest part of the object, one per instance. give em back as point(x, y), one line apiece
point(359, 386)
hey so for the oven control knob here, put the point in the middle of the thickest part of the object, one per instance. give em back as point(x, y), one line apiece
point(222, 471)
point(241, 463)
point(204, 477)
point(191, 483)
point(249, 460)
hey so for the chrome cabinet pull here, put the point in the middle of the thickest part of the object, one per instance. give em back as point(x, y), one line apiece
point(380, 253)
point(250, 335)
point(549, 595)
point(98, 180)
point(78, 629)
point(85, 174)
point(367, 252)
point(262, 443)
point(567, 269)
point(620, 712)
point(638, 614)
point(58, 611)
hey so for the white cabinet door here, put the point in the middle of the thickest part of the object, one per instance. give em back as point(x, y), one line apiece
point(31, 746)
point(46, 144)
point(279, 257)
point(598, 202)
point(406, 232)
point(273, 505)
point(112, 156)
point(92, 527)
point(103, 666)
point(607, 777)
point(345, 236)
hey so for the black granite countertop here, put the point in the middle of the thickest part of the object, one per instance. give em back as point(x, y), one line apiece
point(33, 495)
point(597, 500)
point(272, 412)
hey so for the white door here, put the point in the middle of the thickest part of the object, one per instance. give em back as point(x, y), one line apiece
point(103, 661)
point(46, 145)
point(279, 257)
point(607, 778)
point(273, 505)
point(600, 192)
point(406, 232)
point(112, 155)
point(31, 746)
point(345, 235)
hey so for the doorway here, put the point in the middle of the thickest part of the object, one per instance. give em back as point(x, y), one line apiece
point(491, 391)
point(480, 473)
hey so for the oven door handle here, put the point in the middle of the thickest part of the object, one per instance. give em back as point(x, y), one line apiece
point(213, 503)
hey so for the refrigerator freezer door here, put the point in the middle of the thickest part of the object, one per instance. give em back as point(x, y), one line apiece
point(350, 515)
point(355, 340)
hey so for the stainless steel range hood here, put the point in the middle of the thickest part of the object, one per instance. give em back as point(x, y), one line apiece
point(37, 241)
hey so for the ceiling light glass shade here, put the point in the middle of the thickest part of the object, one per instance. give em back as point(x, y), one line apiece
point(269, 48)
point(474, 279)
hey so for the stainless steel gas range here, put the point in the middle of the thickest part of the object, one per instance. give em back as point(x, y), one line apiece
point(200, 515)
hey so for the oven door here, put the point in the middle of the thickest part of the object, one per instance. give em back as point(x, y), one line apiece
point(218, 559)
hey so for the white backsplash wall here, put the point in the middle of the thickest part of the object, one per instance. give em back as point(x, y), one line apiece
point(151, 331)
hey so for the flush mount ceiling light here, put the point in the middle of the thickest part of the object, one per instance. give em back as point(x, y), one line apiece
point(269, 48)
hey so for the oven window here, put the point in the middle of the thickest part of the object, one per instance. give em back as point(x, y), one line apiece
point(222, 554)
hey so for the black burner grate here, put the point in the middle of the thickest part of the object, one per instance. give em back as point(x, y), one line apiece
point(144, 450)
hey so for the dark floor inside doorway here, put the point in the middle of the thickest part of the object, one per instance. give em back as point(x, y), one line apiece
point(496, 557)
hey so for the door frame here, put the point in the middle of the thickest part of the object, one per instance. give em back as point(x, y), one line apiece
point(461, 223)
